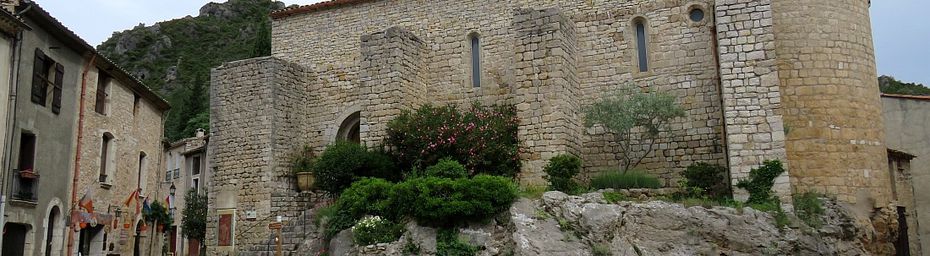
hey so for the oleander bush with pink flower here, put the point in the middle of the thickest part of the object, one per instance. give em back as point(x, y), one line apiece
point(482, 138)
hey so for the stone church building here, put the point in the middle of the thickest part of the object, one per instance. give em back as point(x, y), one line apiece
point(793, 80)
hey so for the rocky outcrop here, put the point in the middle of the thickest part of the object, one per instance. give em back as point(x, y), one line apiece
point(560, 224)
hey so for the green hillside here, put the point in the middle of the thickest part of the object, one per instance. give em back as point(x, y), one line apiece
point(892, 86)
point(175, 57)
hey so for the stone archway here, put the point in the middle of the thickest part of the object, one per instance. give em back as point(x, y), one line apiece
point(349, 130)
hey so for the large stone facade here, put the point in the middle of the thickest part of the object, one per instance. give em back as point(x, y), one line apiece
point(348, 63)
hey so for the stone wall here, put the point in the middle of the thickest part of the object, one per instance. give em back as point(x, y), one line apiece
point(681, 59)
point(546, 94)
point(258, 119)
point(830, 99)
point(749, 82)
point(391, 74)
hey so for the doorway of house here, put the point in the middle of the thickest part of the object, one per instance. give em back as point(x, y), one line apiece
point(14, 239)
point(902, 245)
point(350, 130)
point(137, 243)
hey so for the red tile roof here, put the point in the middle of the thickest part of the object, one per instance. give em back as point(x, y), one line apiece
point(291, 11)
point(903, 96)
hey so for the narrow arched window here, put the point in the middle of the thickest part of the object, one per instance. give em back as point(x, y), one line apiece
point(142, 169)
point(475, 59)
point(641, 51)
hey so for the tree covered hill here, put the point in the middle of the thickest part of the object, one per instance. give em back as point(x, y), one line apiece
point(175, 57)
point(892, 86)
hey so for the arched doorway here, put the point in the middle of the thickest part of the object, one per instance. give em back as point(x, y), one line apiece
point(14, 239)
point(349, 130)
point(137, 244)
point(50, 238)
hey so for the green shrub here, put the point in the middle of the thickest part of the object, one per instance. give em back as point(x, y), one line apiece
point(809, 208)
point(618, 180)
point(560, 170)
point(345, 162)
point(708, 178)
point(483, 139)
point(614, 197)
point(373, 229)
point(447, 168)
point(369, 196)
point(411, 248)
point(449, 244)
point(303, 160)
point(601, 250)
point(443, 201)
point(760, 182)
point(532, 191)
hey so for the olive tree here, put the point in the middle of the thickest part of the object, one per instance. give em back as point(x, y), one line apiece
point(630, 108)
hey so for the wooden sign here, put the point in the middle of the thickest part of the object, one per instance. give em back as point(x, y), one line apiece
point(275, 225)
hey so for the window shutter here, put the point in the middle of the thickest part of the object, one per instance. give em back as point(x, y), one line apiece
point(56, 98)
point(39, 87)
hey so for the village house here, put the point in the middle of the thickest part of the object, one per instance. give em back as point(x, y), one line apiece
point(186, 170)
point(83, 137)
point(906, 118)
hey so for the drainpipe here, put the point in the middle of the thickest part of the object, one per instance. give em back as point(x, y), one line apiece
point(723, 116)
point(16, 52)
point(77, 153)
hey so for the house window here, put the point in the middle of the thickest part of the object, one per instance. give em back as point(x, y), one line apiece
point(103, 84)
point(47, 74)
point(195, 166)
point(27, 152)
point(475, 59)
point(195, 183)
point(142, 163)
point(135, 104)
point(105, 148)
point(641, 40)
point(696, 15)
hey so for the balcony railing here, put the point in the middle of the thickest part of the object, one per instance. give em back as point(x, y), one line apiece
point(25, 186)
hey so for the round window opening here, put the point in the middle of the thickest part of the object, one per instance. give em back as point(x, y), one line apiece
point(697, 15)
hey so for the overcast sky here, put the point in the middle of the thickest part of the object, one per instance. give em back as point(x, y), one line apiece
point(901, 27)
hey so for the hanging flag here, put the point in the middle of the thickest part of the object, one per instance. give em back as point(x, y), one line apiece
point(146, 208)
point(168, 201)
point(135, 193)
point(87, 201)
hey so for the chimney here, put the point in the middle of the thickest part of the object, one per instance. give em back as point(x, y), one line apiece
point(9, 5)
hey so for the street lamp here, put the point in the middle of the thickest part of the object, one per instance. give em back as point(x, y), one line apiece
point(171, 190)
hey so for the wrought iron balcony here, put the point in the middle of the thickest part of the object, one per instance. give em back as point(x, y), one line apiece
point(25, 185)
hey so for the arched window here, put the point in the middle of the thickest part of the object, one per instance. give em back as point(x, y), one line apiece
point(105, 156)
point(475, 59)
point(142, 166)
point(641, 39)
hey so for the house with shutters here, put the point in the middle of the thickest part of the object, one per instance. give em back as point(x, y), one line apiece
point(77, 128)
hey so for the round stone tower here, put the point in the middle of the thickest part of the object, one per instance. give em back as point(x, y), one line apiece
point(830, 99)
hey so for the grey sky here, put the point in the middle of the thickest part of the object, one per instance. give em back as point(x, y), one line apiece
point(901, 27)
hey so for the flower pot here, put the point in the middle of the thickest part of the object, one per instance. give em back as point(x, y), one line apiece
point(305, 181)
point(28, 174)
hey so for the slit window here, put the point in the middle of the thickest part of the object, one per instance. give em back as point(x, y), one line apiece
point(641, 40)
point(475, 59)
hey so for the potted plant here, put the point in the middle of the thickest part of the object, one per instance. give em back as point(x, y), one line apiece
point(302, 165)
point(28, 174)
